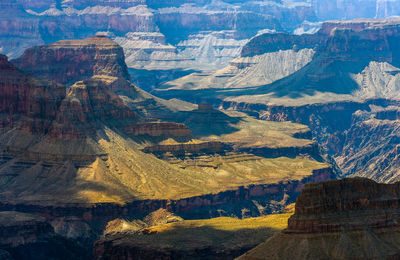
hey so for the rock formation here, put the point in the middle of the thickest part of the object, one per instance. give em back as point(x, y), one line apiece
point(345, 92)
point(33, 101)
point(217, 238)
point(29, 236)
point(345, 219)
point(77, 157)
point(58, 61)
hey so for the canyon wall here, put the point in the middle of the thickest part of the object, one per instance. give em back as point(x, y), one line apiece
point(342, 219)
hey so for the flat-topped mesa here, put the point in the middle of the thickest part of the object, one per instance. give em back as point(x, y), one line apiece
point(375, 43)
point(58, 61)
point(354, 218)
point(347, 204)
point(370, 29)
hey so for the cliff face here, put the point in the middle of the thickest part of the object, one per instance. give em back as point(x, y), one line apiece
point(80, 163)
point(346, 94)
point(217, 238)
point(342, 61)
point(372, 140)
point(321, 208)
point(57, 61)
point(30, 236)
point(94, 130)
point(32, 101)
point(176, 21)
point(27, 96)
point(224, 27)
point(345, 219)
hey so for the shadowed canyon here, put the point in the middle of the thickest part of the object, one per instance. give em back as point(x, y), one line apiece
point(202, 129)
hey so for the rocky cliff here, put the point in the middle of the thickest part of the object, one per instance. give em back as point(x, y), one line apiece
point(33, 101)
point(345, 219)
point(349, 87)
point(342, 60)
point(57, 61)
point(80, 163)
point(222, 28)
point(30, 236)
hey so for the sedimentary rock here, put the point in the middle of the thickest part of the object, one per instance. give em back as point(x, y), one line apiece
point(29, 236)
point(27, 103)
point(85, 166)
point(345, 219)
point(58, 61)
point(217, 238)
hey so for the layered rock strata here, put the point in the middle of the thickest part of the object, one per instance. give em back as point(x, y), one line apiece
point(345, 219)
point(29, 236)
point(58, 61)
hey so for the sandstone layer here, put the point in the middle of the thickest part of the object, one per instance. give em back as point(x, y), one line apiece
point(58, 61)
point(345, 93)
point(352, 218)
point(76, 155)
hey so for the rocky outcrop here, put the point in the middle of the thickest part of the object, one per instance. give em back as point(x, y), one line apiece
point(350, 204)
point(216, 238)
point(221, 28)
point(87, 102)
point(28, 236)
point(27, 103)
point(58, 61)
point(356, 69)
point(160, 217)
point(350, 60)
point(349, 49)
point(360, 136)
point(243, 72)
point(370, 146)
point(159, 129)
point(26, 96)
point(194, 148)
point(344, 219)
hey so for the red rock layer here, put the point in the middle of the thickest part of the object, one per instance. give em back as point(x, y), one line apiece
point(22, 96)
point(347, 204)
point(58, 61)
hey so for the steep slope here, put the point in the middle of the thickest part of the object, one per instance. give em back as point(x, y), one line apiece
point(345, 219)
point(245, 72)
point(159, 34)
point(369, 148)
point(357, 65)
point(339, 62)
point(351, 79)
point(96, 136)
point(336, 68)
point(83, 155)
